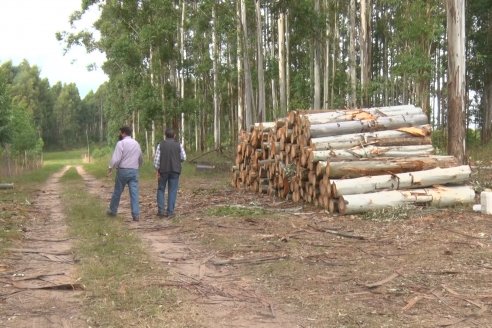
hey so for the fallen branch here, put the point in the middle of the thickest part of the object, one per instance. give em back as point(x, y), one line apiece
point(249, 261)
point(463, 234)
point(382, 282)
point(414, 301)
point(338, 233)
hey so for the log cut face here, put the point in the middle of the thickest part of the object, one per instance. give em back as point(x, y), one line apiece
point(350, 161)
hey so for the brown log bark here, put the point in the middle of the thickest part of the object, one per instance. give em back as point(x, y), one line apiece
point(366, 167)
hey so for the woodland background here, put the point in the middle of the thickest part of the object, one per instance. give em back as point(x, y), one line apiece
point(211, 68)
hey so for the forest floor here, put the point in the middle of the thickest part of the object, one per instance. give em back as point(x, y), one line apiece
point(241, 259)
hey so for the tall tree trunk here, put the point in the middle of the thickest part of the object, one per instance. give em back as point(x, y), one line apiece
point(261, 74)
point(215, 54)
point(336, 36)
point(456, 72)
point(352, 58)
point(364, 51)
point(182, 53)
point(248, 85)
point(317, 65)
point(240, 84)
point(281, 63)
point(287, 61)
point(487, 104)
point(326, 68)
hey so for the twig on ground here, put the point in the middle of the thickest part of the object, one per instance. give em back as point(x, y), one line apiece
point(249, 261)
point(384, 281)
point(338, 233)
point(463, 234)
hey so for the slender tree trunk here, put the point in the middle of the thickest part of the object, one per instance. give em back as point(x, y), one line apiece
point(352, 58)
point(456, 72)
point(261, 74)
point(287, 61)
point(364, 51)
point(215, 55)
point(281, 63)
point(334, 61)
point(183, 55)
point(317, 65)
point(271, 41)
point(487, 120)
point(326, 69)
point(248, 85)
point(239, 55)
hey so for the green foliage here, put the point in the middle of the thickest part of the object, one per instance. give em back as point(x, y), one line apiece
point(24, 135)
point(5, 113)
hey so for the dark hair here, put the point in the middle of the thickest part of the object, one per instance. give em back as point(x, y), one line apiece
point(126, 130)
point(169, 133)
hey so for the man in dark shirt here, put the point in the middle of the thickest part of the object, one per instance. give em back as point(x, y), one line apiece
point(167, 161)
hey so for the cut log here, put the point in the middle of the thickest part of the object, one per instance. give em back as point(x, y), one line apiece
point(6, 186)
point(369, 152)
point(441, 196)
point(409, 180)
point(419, 136)
point(380, 166)
point(381, 123)
point(359, 114)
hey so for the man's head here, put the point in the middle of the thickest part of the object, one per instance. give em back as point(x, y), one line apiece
point(125, 131)
point(169, 133)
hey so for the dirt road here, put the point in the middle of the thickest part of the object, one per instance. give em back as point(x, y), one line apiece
point(250, 261)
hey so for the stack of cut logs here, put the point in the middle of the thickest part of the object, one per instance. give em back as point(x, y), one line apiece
point(350, 161)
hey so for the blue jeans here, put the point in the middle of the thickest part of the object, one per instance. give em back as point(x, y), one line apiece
point(172, 180)
point(125, 177)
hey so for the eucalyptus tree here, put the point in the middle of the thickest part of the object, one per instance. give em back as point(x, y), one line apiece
point(457, 71)
point(68, 113)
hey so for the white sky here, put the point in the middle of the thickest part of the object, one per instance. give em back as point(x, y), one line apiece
point(27, 31)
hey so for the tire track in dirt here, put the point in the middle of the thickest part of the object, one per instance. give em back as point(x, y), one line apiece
point(225, 298)
point(40, 288)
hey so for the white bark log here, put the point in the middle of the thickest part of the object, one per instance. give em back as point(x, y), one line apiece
point(441, 196)
point(409, 180)
point(370, 152)
point(358, 114)
point(381, 123)
point(361, 139)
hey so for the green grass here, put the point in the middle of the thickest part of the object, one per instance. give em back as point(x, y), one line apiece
point(121, 280)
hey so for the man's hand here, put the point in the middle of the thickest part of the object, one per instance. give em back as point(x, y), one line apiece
point(157, 175)
point(110, 170)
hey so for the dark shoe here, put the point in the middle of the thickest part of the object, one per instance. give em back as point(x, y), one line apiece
point(170, 215)
point(136, 218)
point(109, 213)
point(162, 215)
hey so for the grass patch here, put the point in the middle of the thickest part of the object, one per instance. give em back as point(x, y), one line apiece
point(122, 282)
point(389, 214)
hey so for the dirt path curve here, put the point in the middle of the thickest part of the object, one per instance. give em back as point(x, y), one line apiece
point(225, 298)
point(38, 288)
